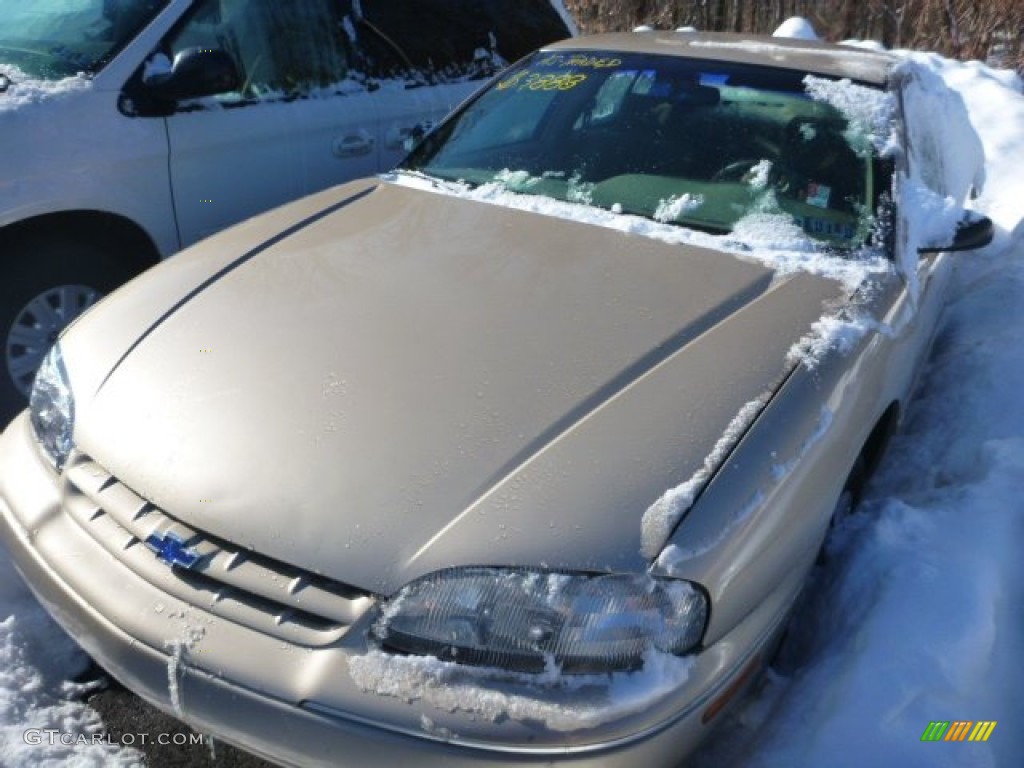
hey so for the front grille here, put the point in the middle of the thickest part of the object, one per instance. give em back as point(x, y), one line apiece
point(227, 580)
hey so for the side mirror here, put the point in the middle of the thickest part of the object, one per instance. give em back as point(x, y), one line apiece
point(971, 233)
point(196, 72)
point(415, 135)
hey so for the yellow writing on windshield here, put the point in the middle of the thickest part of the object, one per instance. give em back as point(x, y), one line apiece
point(526, 80)
point(579, 60)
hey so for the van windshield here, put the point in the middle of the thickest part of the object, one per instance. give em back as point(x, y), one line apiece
point(54, 39)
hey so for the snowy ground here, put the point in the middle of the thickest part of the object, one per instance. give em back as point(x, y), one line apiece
point(917, 615)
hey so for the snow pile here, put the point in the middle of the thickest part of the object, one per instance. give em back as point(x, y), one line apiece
point(796, 27)
point(24, 90)
point(36, 662)
point(939, 182)
point(673, 207)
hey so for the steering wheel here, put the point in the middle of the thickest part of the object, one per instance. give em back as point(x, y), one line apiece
point(781, 177)
point(736, 170)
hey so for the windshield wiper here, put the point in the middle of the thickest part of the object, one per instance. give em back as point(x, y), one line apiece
point(438, 182)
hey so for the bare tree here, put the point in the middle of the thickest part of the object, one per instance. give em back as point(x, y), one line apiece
point(991, 30)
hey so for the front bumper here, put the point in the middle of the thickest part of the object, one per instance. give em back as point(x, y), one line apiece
point(301, 705)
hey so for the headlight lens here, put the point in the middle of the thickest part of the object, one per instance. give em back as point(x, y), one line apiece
point(523, 620)
point(52, 409)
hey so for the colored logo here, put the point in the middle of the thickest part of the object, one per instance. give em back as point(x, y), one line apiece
point(171, 549)
point(958, 730)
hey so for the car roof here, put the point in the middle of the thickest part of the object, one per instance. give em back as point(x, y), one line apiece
point(842, 61)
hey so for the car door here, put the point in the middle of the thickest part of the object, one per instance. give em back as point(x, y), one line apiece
point(301, 121)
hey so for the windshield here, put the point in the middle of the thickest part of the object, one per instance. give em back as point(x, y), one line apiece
point(699, 144)
point(54, 39)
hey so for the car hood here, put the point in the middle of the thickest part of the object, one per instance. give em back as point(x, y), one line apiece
point(388, 381)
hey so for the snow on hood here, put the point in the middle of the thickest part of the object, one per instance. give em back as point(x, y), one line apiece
point(23, 91)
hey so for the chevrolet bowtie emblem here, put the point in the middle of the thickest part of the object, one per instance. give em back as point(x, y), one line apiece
point(170, 548)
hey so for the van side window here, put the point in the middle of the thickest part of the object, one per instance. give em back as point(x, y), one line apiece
point(451, 40)
point(282, 50)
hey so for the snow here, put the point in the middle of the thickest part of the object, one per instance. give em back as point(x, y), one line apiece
point(36, 662)
point(562, 703)
point(785, 248)
point(674, 207)
point(796, 27)
point(24, 90)
point(916, 614)
point(868, 110)
point(661, 517)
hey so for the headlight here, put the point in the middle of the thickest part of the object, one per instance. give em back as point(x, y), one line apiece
point(525, 620)
point(52, 409)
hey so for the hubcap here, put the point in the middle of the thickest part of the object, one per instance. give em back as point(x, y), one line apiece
point(36, 327)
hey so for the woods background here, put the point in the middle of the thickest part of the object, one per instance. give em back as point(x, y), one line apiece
point(966, 29)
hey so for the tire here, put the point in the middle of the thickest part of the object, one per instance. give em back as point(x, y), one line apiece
point(45, 285)
point(846, 505)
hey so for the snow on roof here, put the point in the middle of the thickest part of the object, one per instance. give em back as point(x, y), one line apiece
point(783, 52)
point(796, 27)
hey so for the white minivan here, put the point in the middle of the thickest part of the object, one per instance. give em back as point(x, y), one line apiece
point(129, 129)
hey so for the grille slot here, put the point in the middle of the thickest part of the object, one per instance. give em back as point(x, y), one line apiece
point(227, 581)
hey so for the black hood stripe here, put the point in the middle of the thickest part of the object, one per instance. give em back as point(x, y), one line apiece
point(244, 258)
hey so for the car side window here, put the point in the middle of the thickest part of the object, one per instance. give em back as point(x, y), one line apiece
point(282, 50)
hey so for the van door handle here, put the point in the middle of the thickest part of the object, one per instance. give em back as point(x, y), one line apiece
point(353, 145)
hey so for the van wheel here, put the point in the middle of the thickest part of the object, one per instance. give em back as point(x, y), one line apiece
point(44, 287)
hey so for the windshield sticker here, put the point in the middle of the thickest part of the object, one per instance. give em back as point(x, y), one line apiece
point(818, 194)
point(579, 60)
point(536, 81)
point(826, 227)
